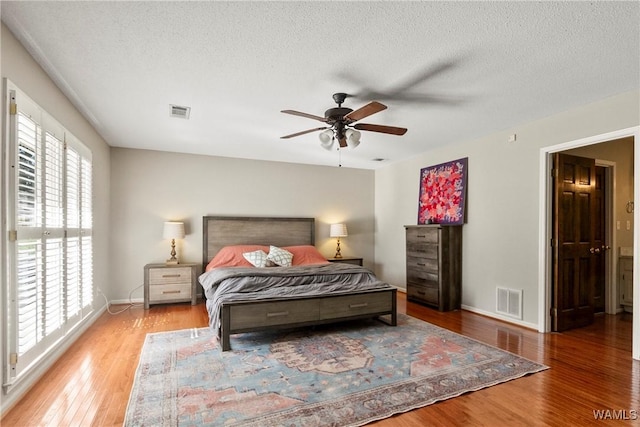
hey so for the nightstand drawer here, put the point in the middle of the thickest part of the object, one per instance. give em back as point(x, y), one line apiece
point(161, 276)
point(162, 293)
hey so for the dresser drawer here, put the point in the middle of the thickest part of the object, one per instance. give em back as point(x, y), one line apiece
point(172, 292)
point(425, 264)
point(161, 276)
point(423, 293)
point(273, 313)
point(422, 250)
point(423, 277)
point(355, 305)
point(420, 234)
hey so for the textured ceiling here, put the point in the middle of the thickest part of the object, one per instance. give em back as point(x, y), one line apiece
point(490, 66)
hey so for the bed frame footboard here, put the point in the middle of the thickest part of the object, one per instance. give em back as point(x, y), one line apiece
point(250, 316)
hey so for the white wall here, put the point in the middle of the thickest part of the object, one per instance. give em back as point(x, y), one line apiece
point(500, 237)
point(150, 187)
point(19, 67)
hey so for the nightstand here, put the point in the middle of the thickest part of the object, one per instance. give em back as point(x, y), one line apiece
point(347, 260)
point(170, 283)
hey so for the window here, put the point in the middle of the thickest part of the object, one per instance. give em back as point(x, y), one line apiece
point(49, 219)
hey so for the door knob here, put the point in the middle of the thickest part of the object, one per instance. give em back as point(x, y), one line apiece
point(594, 250)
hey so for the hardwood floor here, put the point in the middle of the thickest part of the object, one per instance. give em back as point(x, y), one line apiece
point(591, 370)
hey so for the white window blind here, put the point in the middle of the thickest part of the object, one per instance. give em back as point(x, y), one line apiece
point(49, 219)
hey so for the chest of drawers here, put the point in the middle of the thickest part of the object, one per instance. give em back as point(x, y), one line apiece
point(434, 264)
point(169, 283)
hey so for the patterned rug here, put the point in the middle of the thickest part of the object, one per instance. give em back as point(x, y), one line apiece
point(347, 374)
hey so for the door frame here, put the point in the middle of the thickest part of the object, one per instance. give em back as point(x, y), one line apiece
point(545, 232)
point(611, 259)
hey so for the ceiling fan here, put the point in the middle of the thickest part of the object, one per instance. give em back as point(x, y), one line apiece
point(408, 89)
point(342, 124)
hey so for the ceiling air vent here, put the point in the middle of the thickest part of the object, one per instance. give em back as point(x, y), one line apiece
point(179, 111)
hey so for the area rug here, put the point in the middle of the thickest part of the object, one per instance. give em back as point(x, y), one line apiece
point(348, 374)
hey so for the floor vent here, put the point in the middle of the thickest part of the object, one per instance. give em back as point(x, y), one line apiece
point(180, 112)
point(509, 302)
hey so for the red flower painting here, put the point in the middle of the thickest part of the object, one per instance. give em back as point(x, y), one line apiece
point(442, 193)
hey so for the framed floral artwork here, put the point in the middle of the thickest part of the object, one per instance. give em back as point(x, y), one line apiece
point(442, 193)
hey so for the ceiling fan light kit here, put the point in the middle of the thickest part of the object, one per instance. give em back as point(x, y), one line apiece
point(342, 124)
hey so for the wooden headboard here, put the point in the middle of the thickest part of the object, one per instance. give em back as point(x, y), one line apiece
point(221, 231)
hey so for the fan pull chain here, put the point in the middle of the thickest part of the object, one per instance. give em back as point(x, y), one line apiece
point(339, 157)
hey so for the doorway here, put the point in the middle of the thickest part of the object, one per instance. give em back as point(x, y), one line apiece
point(582, 237)
point(615, 223)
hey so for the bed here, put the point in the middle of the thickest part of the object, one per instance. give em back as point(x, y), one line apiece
point(327, 293)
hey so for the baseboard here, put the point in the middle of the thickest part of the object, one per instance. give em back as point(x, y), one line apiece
point(499, 317)
point(13, 393)
point(127, 301)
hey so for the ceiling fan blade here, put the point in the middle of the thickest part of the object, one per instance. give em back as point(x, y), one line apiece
point(302, 133)
point(381, 128)
point(369, 109)
point(407, 90)
point(422, 76)
point(307, 115)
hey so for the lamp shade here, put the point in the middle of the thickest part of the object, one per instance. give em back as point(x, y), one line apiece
point(338, 230)
point(326, 139)
point(353, 138)
point(173, 230)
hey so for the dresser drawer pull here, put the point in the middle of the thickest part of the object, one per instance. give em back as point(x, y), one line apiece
point(421, 292)
point(170, 275)
point(171, 292)
point(422, 236)
point(278, 313)
point(421, 264)
point(360, 305)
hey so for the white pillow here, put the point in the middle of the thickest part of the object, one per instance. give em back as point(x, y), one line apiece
point(256, 258)
point(280, 256)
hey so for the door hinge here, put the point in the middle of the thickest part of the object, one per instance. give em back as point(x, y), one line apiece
point(554, 173)
point(13, 359)
point(553, 312)
point(553, 243)
point(13, 235)
point(13, 108)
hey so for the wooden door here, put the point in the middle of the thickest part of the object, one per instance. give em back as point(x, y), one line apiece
point(574, 227)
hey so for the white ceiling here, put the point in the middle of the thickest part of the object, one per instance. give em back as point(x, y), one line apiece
point(237, 64)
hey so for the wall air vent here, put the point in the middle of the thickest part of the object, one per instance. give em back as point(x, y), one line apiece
point(179, 111)
point(509, 302)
